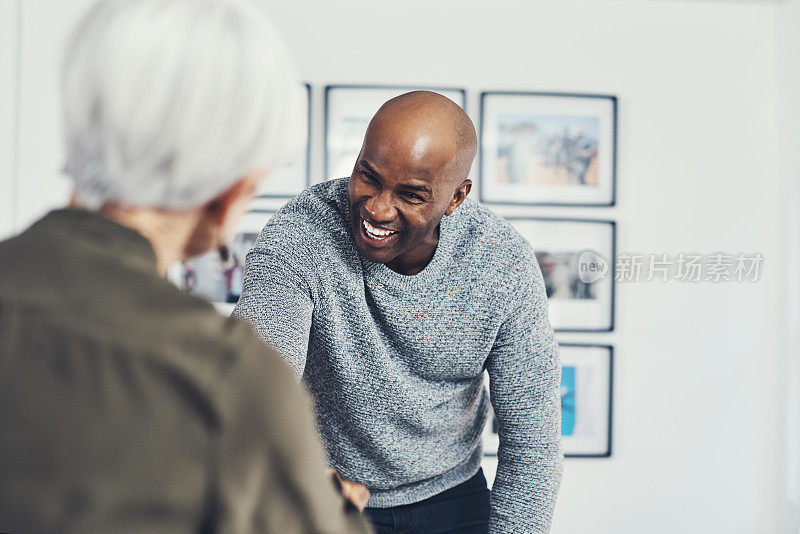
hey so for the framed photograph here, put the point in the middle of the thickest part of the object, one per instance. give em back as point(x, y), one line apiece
point(576, 257)
point(548, 149)
point(586, 402)
point(217, 276)
point(348, 110)
point(586, 399)
point(286, 182)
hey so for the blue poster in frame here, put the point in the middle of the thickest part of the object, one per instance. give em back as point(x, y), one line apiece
point(567, 400)
point(586, 402)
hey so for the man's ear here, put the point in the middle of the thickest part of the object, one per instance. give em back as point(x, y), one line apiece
point(241, 191)
point(459, 196)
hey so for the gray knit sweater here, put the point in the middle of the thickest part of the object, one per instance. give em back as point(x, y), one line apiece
point(395, 363)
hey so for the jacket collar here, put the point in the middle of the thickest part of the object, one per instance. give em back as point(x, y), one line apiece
point(97, 231)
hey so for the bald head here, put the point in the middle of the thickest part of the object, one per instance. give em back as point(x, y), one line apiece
point(427, 126)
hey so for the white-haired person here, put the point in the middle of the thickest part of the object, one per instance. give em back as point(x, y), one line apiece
point(125, 404)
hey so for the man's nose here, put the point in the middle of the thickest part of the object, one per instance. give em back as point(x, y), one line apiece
point(380, 207)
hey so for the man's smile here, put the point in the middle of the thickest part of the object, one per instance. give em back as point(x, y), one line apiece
point(375, 236)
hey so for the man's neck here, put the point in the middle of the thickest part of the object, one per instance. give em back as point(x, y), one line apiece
point(416, 259)
point(167, 231)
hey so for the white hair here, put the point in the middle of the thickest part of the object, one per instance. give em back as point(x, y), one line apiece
point(168, 102)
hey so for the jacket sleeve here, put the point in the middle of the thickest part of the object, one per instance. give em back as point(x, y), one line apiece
point(270, 465)
point(524, 379)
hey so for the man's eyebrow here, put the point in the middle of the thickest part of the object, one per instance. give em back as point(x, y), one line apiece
point(420, 188)
point(369, 167)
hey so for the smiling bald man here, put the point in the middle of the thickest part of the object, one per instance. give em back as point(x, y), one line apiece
point(390, 293)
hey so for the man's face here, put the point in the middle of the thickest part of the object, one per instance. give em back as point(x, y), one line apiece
point(397, 195)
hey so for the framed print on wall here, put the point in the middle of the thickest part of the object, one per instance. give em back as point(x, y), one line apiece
point(586, 399)
point(491, 439)
point(548, 149)
point(288, 181)
point(348, 110)
point(576, 257)
point(217, 275)
point(586, 402)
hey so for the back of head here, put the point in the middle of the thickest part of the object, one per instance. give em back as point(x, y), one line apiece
point(168, 102)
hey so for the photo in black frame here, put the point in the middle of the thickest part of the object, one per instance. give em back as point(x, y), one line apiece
point(289, 181)
point(577, 260)
point(548, 149)
point(587, 390)
point(348, 110)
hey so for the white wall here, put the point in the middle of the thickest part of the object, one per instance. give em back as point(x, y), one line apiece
point(41, 185)
point(9, 23)
point(789, 133)
point(699, 423)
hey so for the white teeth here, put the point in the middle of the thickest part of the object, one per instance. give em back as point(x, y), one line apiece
point(376, 232)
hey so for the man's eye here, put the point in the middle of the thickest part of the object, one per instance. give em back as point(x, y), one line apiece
point(412, 197)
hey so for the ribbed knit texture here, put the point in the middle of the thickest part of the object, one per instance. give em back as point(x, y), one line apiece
point(395, 363)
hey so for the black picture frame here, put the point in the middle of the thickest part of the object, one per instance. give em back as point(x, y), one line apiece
point(611, 262)
point(396, 88)
point(306, 160)
point(578, 97)
point(610, 406)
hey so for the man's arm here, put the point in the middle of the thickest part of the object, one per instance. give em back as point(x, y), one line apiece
point(525, 380)
point(269, 464)
point(276, 300)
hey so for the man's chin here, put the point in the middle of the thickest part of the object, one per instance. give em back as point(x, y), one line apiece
point(373, 256)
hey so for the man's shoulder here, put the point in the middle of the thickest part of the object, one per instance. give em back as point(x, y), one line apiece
point(87, 297)
point(315, 219)
point(502, 261)
point(183, 333)
point(489, 235)
point(134, 315)
point(317, 202)
point(187, 336)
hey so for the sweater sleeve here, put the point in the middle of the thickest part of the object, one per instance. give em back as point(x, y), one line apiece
point(524, 379)
point(276, 299)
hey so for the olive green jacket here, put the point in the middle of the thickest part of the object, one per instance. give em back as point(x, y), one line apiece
point(129, 406)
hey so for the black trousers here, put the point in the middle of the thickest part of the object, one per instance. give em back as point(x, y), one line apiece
point(463, 509)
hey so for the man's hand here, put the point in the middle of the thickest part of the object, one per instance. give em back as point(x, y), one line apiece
point(355, 493)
